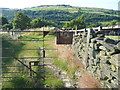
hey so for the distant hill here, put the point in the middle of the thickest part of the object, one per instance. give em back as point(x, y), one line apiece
point(4, 8)
point(60, 14)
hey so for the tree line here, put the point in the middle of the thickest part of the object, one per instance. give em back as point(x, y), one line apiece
point(23, 21)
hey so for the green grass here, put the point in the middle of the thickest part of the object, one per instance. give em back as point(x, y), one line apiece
point(54, 82)
point(63, 64)
point(113, 37)
point(19, 82)
point(22, 81)
point(14, 83)
point(69, 9)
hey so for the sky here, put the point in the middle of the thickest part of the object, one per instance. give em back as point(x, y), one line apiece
point(108, 4)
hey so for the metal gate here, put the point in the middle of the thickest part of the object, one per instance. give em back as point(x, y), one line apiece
point(32, 68)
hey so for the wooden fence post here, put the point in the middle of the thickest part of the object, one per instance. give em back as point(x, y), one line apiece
point(30, 69)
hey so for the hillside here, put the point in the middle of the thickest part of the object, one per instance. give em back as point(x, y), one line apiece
point(60, 14)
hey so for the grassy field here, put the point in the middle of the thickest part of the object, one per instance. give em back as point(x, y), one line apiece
point(113, 37)
point(72, 9)
point(69, 9)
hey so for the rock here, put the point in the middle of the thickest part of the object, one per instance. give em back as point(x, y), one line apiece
point(113, 68)
point(111, 41)
point(115, 59)
point(115, 82)
point(115, 74)
point(100, 35)
point(91, 45)
point(103, 76)
point(106, 70)
point(110, 84)
point(111, 47)
point(102, 48)
point(118, 46)
point(102, 53)
point(97, 38)
point(98, 73)
point(95, 46)
point(95, 53)
point(91, 62)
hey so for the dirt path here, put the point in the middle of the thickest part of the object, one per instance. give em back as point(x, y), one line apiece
point(86, 80)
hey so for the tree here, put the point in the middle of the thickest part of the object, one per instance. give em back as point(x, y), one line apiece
point(113, 23)
point(7, 26)
point(3, 20)
point(36, 23)
point(92, 25)
point(78, 23)
point(21, 21)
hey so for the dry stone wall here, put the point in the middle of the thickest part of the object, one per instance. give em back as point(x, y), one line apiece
point(103, 58)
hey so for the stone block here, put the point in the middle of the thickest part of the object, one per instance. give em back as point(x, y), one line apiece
point(91, 62)
point(108, 46)
point(95, 46)
point(102, 75)
point(113, 68)
point(111, 41)
point(102, 48)
point(98, 71)
point(109, 84)
point(91, 45)
point(118, 46)
point(115, 74)
point(115, 82)
point(115, 59)
point(100, 35)
point(94, 68)
point(96, 38)
point(106, 70)
point(102, 53)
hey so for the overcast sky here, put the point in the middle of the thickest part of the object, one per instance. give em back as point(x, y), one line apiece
point(108, 4)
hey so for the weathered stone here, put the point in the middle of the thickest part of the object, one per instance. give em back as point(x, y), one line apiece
point(115, 82)
point(115, 74)
point(94, 68)
point(102, 75)
point(109, 85)
point(102, 56)
point(95, 53)
point(91, 45)
point(111, 41)
point(89, 68)
point(113, 68)
point(97, 38)
point(106, 70)
point(91, 62)
point(118, 46)
point(95, 46)
point(102, 48)
point(115, 59)
point(107, 73)
point(105, 58)
point(98, 72)
point(111, 47)
point(102, 53)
